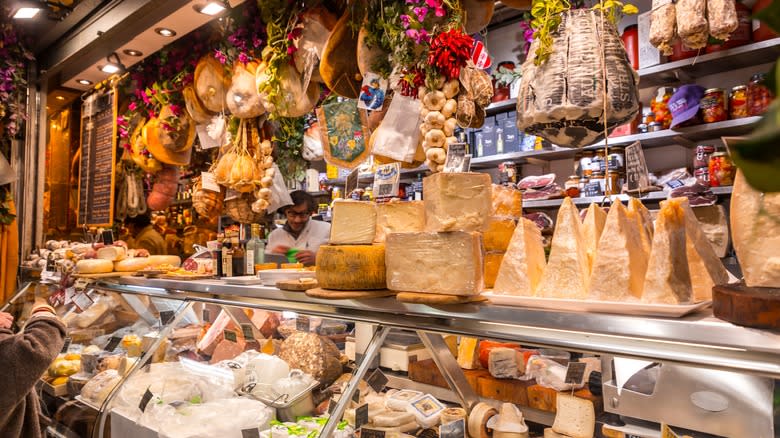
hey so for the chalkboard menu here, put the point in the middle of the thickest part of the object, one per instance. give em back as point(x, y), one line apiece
point(98, 155)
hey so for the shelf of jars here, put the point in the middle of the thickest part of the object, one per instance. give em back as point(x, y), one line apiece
point(651, 198)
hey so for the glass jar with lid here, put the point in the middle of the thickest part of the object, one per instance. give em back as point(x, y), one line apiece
point(759, 96)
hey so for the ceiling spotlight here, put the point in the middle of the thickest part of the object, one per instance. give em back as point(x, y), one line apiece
point(25, 13)
point(164, 31)
point(60, 98)
point(114, 65)
point(84, 81)
point(212, 8)
point(26, 9)
point(132, 52)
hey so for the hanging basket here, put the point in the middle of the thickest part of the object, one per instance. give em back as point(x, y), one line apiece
point(240, 209)
point(562, 100)
point(206, 202)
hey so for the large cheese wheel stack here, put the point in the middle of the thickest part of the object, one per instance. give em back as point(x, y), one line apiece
point(446, 259)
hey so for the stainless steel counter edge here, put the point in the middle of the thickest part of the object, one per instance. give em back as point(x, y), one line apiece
point(698, 339)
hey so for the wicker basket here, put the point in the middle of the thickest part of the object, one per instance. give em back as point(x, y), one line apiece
point(240, 209)
point(206, 202)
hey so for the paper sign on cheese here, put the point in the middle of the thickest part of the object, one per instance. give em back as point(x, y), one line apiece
point(399, 217)
point(457, 201)
point(620, 264)
point(592, 227)
point(523, 264)
point(566, 274)
point(354, 223)
point(668, 280)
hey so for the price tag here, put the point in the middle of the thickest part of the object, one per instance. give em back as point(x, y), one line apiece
point(145, 400)
point(246, 330)
point(206, 315)
point(66, 345)
point(351, 184)
point(206, 141)
point(575, 372)
point(356, 396)
point(637, 176)
point(50, 267)
point(377, 380)
point(166, 316)
point(82, 301)
point(332, 406)
point(250, 433)
point(371, 433)
point(453, 429)
point(113, 343)
point(231, 194)
point(386, 180)
point(361, 416)
point(302, 324)
point(231, 336)
point(108, 237)
point(209, 182)
point(456, 158)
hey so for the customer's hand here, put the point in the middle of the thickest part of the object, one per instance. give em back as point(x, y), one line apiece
point(6, 320)
point(306, 257)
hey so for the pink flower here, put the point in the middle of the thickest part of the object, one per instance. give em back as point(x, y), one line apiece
point(123, 133)
point(132, 106)
point(440, 12)
point(120, 120)
point(175, 109)
point(414, 2)
point(291, 50)
point(405, 21)
point(420, 12)
point(127, 147)
point(256, 42)
point(418, 36)
point(221, 57)
point(145, 97)
point(243, 58)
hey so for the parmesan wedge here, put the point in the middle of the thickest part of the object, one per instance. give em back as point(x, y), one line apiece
point(638, 212)
point(566, 275)
point(592, 227)
point(523, 263)
point(668, 279)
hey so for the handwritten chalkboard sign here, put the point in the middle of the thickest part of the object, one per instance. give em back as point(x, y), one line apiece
point(98, 155)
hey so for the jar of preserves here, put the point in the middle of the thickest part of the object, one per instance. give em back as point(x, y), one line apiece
point(649, 118)
point(596, 184)
point(702, 176)
point(335, 194)
point(721, 170)
point(586, 163)
point(713, 105)
point(702, 156)
point(617, 159)
point(759, 96)
point(660, 106)
point(738, 102)
point(599, 163)
point(507, 173)
point(582, 184)
point(572, 186)
point(655, 126)
point(613, 183)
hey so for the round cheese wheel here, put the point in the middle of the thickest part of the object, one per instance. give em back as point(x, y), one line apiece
point(478, 418)
point(157, 260)
point(94, 266)
point(131, 264)
point(351, 267)
point(112, 253)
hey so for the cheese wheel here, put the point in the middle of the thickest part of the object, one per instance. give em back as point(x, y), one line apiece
point(351, 267)
point(478, 419)
point(94, 266)
point(112, 253)
point(131, 264)
point(157, 260)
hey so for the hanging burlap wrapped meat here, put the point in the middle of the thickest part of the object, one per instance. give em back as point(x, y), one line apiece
point(562, 99)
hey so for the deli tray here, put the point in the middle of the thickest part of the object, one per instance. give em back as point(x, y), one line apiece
point(622, 308)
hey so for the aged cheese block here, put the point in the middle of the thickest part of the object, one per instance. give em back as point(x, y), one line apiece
point(592, 227)
point(668, 280)
point(438, 263)
point(457, 201)
point(542, 398)
point(575, 417)
point(265, 322)
point(426, 371)
point(523, 264)
point(94, 266)
point(749, 306)
point(131, 264)
point(113, 253)
point(505, 363)
point(714, 225)
point(158, 260)
point(392, 419)
point(351, 267)
point(620, 263)
point(399, 217)
point(507, 201)
point(506, 390)
point(354, 223)
point(549, 433)
point(492, 265)
point(566, 274)
point(638, 212)
point(315, 355)
point(498, 233)
point(705, 267)
point(468, 356)
point(755, 231)
point(486, 346)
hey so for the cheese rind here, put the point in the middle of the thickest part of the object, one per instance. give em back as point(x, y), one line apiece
point(638, 212)
point(712, 219)
point(351, 267)
point(523, 264)
point(468, 357)
point(457, 201)
point(620, 264)
point(575, 417)
point(399, 217)
point(505, 363)
point(492, 265)
point(498, 233)
point(566, 274)
point(668, 280)
point(507, 201)
point(354, 223)
point(592, 226)
point(437, 263)
point(549, 433)
point(94, 266)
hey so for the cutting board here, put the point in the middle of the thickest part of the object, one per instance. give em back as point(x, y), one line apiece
point(348, 294)
point(103, 275)
point(295, 285)
point(420, 298)
point(749, 306)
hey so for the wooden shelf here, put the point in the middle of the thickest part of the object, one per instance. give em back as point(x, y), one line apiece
point(367, 177)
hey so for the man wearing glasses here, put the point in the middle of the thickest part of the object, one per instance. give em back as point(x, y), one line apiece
point(300, 232)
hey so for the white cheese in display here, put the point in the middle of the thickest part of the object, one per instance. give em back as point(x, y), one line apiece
point(354, 223)
point(592, 226)
point(668, 280)
point(566, 274)
point(399, 217)
point(505, 363)
point(575, 417)
point(523, 264)
point(457, 201)
point(437, 263)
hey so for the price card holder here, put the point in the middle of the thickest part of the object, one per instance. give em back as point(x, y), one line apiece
point(82, 301)
point(108, 237)
point(371, 433)
point(575, 373)
point(351, 183)
point(456, 158)
point(377, 380)
point(356, 396)
point(246, 330)
point(250, 433)
point(66, 345)
point(453, 429)
point(113, 343)
point(361, 416)
point(166, 316)
point(386, 180)
point(637, 176)
point(231, 336)
point(302, 323)
point(145, 400)
point(206, 315)
point(209, 182)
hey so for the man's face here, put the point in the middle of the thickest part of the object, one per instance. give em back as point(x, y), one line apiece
point(297, 216)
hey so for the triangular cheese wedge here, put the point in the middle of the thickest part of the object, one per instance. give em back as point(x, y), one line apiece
point(592, 227)
point(523, 263)
point(566, 274)
point(668, 280)
point(638, 212)
point(704, 265)
point(620, 264)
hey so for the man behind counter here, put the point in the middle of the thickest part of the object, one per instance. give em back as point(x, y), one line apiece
point(300, 231)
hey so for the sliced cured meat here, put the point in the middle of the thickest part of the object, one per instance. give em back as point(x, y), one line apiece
point(697, 194)
point(542, 220)
point(550, 192)
point(535, 182)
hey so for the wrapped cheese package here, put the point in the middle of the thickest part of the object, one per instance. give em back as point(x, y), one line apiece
point(399, 217)
point(668, 280)
point(457, 201)
point(354, 223)
point(523, 264)
point(566, 274)
point(592, 227)
point(436, 263)
point(620, 264)
point(507, 201)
